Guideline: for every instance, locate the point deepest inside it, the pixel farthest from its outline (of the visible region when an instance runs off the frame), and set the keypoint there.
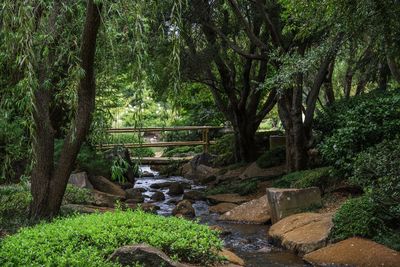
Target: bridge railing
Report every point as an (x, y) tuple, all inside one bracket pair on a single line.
[(205, 141)]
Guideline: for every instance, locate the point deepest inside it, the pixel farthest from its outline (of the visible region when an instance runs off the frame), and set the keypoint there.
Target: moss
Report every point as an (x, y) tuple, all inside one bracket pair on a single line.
[(321, 177), (245, 187)]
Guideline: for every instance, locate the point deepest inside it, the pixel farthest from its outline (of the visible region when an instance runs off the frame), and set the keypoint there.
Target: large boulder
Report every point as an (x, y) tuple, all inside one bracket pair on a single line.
[(102, 184), (228, 198), (158, 196), (80, 180), (254, 211), (288, 201), (176, 189), (105, 200), (199, 173), (231, 257), (134, 195), (184, 208), (193, 195), (143, 254), (303, 232), (222, 207), (254, 171), (354, 252)]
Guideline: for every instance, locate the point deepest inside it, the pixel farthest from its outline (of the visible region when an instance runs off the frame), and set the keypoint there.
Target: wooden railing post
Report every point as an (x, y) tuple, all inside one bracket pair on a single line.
[(205, 140)]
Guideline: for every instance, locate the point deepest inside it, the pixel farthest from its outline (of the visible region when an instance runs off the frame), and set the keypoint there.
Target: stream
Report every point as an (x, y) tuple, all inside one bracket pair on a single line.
[(249, 241)]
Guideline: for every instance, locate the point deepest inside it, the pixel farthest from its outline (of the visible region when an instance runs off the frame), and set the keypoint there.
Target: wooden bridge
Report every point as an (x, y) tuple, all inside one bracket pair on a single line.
[(205, 141)]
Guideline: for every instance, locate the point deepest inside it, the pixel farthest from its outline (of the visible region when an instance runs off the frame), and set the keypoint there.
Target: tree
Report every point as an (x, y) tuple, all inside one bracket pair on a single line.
[(223, 51)]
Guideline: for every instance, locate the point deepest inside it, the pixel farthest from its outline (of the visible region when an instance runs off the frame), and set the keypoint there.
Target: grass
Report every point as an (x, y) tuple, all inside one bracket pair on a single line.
[(88, 240)]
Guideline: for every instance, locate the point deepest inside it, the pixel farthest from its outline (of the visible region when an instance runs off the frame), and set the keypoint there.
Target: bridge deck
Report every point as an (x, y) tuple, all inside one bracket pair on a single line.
[(162, 160)]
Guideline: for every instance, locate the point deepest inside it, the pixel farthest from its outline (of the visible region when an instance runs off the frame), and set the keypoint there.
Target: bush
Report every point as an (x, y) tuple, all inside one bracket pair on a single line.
[(271, 158), (320, 177), (377, 171), (351, 126), (15, 200), (224, 150), (88, 240), (14, 206), (361, 217), (356, 217)]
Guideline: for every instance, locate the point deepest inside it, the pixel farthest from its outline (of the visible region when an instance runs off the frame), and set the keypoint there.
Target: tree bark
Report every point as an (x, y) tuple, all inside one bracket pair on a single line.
[(49, 180)]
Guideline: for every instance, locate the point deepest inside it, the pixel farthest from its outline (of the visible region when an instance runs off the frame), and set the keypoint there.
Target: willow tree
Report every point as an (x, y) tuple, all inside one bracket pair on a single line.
[(43, 46)]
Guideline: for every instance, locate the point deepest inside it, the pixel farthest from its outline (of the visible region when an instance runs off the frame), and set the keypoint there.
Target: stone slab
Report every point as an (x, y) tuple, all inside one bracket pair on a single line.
[(288, 201)]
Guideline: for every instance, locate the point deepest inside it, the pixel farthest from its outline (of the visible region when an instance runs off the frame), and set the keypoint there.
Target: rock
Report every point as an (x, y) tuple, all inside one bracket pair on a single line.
[(254, 171), (172, 201), (230, 198), (285, 202), (80, 180), (354, 252), (207, 179), (143, 254), (126, 185), (231, 257), (160, 185), (102, 184), (303, 232), (254, 211), (134, 195), (184, 208), (158, 196), (147, 174), (202, 159), (105, 200), (193, 195), (84, 209), (220, 229), (222, 207), (175, 189), (200, 172)]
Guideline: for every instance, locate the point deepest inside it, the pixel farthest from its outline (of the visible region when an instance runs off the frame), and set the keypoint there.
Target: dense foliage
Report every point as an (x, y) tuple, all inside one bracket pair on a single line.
[(88, 240), (351, 126), (272, 158), (15, 201), (321, 177), (362, 217)]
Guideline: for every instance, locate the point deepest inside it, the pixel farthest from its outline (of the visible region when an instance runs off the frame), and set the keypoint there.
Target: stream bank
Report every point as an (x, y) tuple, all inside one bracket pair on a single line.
[(248, 241)]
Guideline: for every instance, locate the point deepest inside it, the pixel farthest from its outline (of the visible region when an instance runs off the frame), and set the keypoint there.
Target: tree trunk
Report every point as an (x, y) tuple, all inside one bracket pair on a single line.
[(329, 93), (245, 145), (289, 107), (49, 181)]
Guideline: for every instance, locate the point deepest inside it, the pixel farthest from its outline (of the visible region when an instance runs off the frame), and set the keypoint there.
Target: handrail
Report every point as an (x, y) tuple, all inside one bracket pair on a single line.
[(205, 142), (160, 129)]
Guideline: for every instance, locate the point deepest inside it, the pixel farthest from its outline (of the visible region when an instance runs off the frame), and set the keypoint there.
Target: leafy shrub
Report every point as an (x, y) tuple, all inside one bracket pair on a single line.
[(361, 217), (15, 200), (356, 217), (88, 240), (76, 195), (377, 171), (14, 145), (224, 150), (351, 126), (320, 177), (272, 158), (14, 206)]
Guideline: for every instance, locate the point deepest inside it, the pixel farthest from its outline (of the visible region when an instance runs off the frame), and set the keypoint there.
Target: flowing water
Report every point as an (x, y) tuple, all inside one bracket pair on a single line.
[(249, 241)]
